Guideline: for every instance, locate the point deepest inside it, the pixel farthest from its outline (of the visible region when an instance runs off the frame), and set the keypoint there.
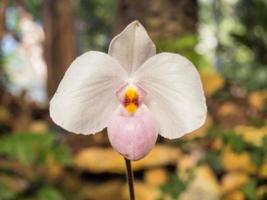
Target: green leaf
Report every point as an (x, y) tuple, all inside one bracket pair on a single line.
[(235, 141), (213, 158), (184, 45), (250, 190), (174, 187), (257, 156), (25, 147), (62, 155), (30, 148), (6, 193), (49, 193)]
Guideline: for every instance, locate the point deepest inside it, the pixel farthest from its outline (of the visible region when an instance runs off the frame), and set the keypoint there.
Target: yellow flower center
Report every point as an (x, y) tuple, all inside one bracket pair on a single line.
[(131, 101)]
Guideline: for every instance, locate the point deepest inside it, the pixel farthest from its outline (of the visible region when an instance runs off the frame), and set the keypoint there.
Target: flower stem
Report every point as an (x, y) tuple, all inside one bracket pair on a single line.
[(130, 178)]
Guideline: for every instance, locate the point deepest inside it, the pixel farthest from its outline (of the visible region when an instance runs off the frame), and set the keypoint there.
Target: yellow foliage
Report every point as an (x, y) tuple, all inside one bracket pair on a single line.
[(203, 186), (156, 177), (263, 169), (233, 181), (217, 144), (38, 126), (241, 162), (142, 192), (229, 108), (261, 192), (53, 169), (185, 163), (236, 195), (5, 115), (212, 82), (252, 134), (99, 160), (258, 99)]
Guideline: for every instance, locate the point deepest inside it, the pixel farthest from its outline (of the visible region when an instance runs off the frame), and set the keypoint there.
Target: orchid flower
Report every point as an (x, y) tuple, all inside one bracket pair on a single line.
[(134, 92)]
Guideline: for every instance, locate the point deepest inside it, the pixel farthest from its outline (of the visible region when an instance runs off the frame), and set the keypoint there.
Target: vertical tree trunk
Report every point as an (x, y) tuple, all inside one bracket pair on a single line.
[(60, 48), (3, 7), (164, 19)]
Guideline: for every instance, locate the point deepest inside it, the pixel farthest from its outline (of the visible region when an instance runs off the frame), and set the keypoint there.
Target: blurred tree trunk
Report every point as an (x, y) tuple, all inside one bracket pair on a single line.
[(3, 7), (164, 19), (60, 47)]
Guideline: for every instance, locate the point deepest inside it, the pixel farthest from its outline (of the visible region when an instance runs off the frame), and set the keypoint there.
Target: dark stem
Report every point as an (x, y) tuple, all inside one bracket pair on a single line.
[(130, 178)]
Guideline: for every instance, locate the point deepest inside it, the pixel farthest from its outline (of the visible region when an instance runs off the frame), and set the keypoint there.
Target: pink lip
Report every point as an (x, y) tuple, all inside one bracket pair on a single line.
[(133, 136)]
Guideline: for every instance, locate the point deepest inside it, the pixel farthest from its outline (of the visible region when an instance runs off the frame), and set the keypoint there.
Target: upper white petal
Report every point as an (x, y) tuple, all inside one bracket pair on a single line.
[(174, 93), (132, 47), (85, 99)]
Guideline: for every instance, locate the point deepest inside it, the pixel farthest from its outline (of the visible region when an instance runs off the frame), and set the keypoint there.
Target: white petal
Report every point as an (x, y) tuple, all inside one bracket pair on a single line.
[(132, 47), (174, 93), (85, 98)]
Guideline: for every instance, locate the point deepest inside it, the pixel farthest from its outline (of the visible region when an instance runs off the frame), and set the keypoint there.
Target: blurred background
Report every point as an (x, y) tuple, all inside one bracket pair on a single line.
[(225, 159)]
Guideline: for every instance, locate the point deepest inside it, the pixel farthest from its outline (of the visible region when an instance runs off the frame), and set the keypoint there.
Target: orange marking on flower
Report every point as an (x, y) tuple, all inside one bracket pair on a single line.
[(131, 101)]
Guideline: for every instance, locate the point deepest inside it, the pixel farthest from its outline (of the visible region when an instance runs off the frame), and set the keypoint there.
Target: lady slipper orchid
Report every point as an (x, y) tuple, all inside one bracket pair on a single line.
[(134, 92)]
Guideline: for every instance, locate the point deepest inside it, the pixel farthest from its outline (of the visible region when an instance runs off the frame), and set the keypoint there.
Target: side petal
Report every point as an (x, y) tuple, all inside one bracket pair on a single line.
[(86, 97), (132, 47), (174, 93)]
